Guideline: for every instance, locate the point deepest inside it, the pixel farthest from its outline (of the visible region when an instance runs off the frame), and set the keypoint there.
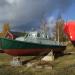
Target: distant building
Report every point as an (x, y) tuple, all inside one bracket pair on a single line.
[(7, 33)]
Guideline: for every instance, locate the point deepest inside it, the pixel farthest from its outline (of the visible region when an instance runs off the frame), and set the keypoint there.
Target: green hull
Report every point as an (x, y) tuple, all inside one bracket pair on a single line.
[(14, 44), (14, 47)]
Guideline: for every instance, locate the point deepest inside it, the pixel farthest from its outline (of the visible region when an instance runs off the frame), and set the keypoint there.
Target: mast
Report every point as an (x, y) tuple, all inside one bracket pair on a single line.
[(44, 28)]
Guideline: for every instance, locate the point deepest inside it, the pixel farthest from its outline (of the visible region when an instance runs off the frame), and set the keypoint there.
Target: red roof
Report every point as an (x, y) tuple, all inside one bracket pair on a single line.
[(9, 35)]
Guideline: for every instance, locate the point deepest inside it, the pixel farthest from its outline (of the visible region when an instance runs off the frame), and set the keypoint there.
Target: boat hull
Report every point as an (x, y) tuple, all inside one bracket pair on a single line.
[(25, 52), (1, 51), (32, 52), (19, 48)]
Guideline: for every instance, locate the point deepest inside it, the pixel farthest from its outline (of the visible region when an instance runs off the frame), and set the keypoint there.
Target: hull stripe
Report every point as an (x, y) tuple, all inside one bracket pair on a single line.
[(25, 52), (21, 52)]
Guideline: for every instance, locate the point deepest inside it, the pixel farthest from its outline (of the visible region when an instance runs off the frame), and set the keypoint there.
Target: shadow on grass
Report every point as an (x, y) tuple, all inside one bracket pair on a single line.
[(61, 55)]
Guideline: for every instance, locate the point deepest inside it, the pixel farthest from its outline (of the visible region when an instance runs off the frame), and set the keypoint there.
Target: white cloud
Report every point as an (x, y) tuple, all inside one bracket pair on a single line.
[(10, 1), (21, 12)]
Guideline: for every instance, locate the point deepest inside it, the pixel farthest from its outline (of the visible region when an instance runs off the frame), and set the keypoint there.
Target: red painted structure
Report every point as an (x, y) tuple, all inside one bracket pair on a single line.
[(9, 35), (69, 29)]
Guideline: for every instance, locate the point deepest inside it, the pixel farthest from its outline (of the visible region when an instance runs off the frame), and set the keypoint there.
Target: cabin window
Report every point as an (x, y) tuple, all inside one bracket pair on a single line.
[(38, 35)]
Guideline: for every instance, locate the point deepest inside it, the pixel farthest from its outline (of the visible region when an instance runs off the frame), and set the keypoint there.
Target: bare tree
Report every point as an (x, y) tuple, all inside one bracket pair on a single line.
[(58, 30)]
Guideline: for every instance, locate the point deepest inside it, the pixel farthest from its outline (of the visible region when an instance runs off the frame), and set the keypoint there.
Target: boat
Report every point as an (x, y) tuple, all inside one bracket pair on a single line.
[(33, 43), (69, 30)]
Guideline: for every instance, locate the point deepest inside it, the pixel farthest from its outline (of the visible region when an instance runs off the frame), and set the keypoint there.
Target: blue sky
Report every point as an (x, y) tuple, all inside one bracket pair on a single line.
[(70, 13)]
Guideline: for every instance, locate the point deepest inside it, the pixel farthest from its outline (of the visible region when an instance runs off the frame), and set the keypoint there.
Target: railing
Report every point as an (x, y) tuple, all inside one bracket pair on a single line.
[(45, 41)]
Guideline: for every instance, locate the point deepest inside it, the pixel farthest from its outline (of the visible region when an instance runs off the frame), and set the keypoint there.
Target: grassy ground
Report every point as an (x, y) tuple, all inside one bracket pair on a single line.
[(64, 65)]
